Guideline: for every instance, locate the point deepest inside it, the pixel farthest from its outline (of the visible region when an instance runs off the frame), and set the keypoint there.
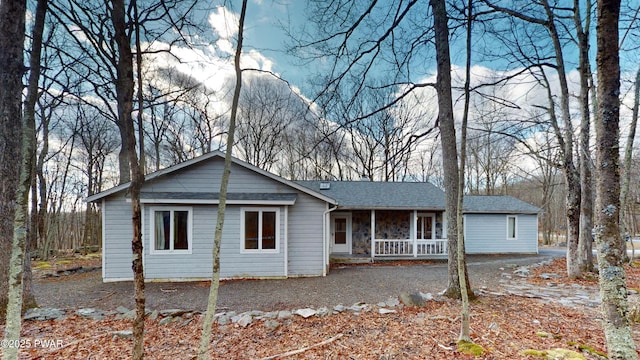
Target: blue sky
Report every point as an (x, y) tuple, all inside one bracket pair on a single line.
[(266, 40), (264, 32)]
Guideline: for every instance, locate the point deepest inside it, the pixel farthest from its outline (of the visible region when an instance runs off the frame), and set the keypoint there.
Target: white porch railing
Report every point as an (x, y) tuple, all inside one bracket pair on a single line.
[(408, 247), (432, 247)]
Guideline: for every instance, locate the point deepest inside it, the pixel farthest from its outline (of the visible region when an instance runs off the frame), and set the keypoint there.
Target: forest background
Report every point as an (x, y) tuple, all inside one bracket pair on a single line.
[(367, 111), (514, 147)]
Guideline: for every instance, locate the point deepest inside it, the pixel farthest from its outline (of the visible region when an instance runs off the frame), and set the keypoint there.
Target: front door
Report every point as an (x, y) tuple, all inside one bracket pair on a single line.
[(425, 227), (341, 233)]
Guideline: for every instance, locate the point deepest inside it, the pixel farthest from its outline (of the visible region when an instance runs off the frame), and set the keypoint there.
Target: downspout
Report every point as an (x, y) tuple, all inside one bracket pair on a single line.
[(103, 251), (325, 239), (286, 241), (537, 219)]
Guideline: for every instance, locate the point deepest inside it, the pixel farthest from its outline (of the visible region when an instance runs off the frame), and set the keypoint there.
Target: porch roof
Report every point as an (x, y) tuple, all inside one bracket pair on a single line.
[(352, 195), (376, 195)]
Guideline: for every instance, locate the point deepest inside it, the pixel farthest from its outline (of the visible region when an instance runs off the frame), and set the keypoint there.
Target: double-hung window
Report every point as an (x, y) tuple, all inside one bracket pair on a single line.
[(171, 230), (512, 227), (260, 230)]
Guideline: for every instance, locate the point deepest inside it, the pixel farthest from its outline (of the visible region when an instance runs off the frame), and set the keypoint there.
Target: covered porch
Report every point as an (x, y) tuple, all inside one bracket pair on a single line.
[(362, 234)]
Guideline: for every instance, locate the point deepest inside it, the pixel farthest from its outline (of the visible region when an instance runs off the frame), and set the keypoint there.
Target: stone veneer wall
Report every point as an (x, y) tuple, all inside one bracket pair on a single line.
[(389, 225), (361, 232), (393, 224)]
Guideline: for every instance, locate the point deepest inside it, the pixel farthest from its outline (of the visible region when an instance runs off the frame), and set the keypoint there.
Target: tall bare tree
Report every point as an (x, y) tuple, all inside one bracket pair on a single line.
[(446, 124), (613, 289), (363, 39), (12, 30), (27, 175), (585, 241), (124, 85), (543, 15), (51, 105), (379, 143), (546, 178), (13, 171), (465, 331), (491, 149), (97, 139), (267, 110), (87, 23), (205, 339)]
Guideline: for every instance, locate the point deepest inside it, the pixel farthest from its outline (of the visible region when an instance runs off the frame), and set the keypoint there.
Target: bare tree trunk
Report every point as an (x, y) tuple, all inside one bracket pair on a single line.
[(465, 333), (448, 140), (42, 212), (585, 248), (564, 136), (29, 144), (205, 339), (16, 266), (12, 29), (613, 289), (142, 161), (31, 242), (572, 175), (124, 93), (11, 62)]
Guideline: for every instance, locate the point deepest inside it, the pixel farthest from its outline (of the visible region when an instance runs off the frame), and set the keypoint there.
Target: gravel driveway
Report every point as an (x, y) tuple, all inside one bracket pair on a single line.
[(344, 285)]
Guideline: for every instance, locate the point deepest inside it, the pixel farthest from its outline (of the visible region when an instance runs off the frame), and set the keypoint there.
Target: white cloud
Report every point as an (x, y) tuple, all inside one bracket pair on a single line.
[(211, 64), (225, 24)]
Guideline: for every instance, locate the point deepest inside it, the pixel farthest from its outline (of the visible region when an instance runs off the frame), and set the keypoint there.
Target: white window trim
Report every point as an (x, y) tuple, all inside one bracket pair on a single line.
[(515, 227), (260, 210), (152, 233)]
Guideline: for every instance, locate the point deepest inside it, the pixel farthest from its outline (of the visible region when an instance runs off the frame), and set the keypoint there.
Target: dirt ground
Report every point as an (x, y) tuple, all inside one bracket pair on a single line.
[(344, 285), (506, 326)]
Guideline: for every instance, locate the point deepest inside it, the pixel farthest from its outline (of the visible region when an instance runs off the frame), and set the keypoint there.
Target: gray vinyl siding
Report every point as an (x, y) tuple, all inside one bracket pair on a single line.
[(234, 264), (305, 237), (487, 233), (117, 242), (304, 231), (198, 264), (205, 177), (302, 255)]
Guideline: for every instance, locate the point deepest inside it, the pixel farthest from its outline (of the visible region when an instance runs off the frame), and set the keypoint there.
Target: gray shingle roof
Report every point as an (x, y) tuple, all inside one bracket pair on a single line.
[(500, 204), (412, 196), (381, 195)]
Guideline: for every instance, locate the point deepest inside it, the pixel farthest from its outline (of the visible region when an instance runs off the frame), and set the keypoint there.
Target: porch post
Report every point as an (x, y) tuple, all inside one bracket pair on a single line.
[(444, 225), (445, 235), (414, 235), (373, 233)]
